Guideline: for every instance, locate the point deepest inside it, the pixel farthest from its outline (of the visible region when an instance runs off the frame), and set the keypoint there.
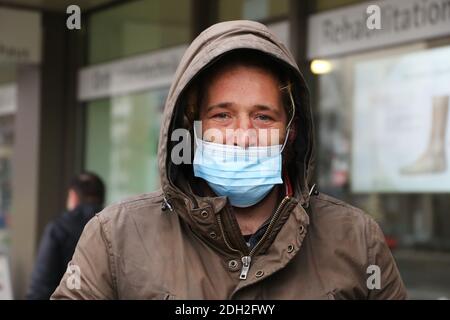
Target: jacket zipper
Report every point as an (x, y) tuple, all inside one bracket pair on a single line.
[(247, 259), (219, 221)]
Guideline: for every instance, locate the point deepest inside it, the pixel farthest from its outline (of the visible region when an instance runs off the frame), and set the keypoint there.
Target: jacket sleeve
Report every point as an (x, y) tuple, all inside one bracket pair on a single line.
[(48, 268), (90, 274), (382, 265)]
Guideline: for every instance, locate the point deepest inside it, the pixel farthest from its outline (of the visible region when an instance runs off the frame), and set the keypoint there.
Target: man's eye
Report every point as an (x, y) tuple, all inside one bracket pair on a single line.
[(264, 117), (221, 115)]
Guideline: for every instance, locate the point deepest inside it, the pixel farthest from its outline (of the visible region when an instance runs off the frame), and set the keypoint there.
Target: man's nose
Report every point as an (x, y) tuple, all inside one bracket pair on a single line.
[(245, 133)]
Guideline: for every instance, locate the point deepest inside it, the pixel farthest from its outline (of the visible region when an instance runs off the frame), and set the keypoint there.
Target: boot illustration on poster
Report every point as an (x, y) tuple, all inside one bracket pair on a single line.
[(433, 159)]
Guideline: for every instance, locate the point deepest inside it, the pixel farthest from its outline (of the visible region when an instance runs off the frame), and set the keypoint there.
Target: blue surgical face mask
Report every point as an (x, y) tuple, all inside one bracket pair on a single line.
[(244, 175)]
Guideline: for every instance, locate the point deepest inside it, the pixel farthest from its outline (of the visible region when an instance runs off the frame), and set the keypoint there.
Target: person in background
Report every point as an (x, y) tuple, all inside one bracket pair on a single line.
[(85, 198)]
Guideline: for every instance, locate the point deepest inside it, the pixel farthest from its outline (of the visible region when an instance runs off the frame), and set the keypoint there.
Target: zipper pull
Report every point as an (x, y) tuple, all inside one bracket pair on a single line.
[(245, 267)]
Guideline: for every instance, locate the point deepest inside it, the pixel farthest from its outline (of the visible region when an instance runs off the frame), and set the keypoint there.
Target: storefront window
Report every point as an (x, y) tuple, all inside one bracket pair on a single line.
[(123, 130), (322, 5), (138, 27), (252, 9), (122, 142), (383, 139)]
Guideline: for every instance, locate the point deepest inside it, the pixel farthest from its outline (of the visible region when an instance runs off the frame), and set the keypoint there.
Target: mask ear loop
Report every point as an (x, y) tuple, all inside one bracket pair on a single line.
[(288, 127), (197, 141)]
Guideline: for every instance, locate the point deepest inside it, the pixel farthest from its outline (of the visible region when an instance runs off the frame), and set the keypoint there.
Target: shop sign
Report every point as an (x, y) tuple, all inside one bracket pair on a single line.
[(349, 29)]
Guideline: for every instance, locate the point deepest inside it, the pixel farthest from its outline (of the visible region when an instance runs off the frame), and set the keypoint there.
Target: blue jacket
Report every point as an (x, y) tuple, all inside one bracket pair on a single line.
[(56, 249)]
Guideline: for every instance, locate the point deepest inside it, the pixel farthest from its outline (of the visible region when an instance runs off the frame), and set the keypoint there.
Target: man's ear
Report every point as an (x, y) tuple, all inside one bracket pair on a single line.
[(73, 200)]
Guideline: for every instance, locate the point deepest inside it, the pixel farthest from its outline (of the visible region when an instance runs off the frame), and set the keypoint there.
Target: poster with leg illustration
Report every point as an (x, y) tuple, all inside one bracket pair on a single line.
[(401, 114), (433, 159)]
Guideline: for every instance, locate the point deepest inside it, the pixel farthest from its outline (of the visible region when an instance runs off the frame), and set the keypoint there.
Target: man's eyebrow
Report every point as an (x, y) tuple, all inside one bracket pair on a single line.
[(267, 107), (223, 105), (226, 105)]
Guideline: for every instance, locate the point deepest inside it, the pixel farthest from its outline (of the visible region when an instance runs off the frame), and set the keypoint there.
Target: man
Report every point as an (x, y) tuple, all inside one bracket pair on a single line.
[(230, 227), (85, 198)]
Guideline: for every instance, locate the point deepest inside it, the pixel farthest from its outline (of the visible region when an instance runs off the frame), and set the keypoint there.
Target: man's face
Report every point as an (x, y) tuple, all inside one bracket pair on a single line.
[(244, 104)]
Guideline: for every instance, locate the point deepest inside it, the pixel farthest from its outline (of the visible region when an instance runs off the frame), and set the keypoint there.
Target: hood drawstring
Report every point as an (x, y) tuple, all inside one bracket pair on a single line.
[(313, 190), (166, 205)]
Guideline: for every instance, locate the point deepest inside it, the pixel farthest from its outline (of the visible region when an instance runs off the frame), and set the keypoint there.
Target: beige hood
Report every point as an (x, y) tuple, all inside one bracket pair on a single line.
[(215, 41)]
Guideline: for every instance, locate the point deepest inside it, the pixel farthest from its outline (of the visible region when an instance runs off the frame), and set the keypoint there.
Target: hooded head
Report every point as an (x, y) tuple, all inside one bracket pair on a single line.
[(219, 42)]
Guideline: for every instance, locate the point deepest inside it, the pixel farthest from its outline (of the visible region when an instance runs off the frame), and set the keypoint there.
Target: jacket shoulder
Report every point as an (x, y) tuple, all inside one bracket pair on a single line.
[(149, 202), (58, 229), (135, 218), (356, 242), (326, 206), (341, 223)]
